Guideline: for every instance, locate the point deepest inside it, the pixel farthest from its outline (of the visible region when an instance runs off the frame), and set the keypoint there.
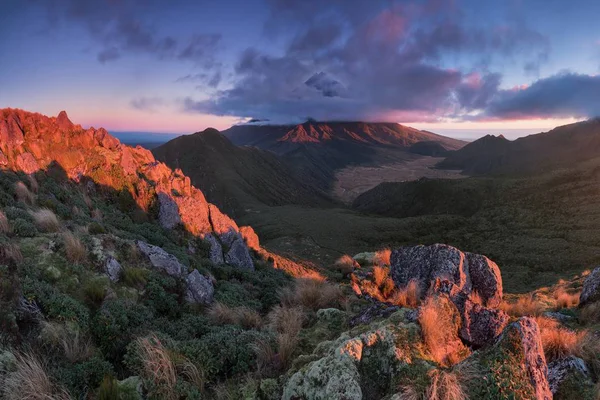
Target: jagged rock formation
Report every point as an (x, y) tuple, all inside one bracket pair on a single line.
[(591, 288), (472, 281), (30, 142)]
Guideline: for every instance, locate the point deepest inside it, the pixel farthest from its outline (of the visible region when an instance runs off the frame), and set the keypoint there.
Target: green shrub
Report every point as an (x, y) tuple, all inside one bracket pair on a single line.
[(134, 276), (163, 294), (55, 304), (79, 378), (188, 326), (111, 389), (95, 290), (24, 228), (96, 229)]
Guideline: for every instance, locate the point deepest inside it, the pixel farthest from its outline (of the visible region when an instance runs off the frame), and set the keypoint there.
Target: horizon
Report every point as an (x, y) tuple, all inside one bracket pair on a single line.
[(443, 66)]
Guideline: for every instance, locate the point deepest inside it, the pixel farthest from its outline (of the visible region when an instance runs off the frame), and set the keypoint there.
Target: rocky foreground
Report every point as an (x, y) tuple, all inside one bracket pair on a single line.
[(118, 280)]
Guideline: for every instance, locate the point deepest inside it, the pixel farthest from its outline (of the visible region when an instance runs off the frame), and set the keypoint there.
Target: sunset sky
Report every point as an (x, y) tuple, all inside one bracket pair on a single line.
[(449, 66)]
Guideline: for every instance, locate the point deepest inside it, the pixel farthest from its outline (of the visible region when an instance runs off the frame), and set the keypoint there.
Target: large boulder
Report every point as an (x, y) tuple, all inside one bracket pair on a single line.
[(216, 250), (238, 255), (472, 281), (200, 289), (569, 378), (160, 259), (591, 288), (168, 212)]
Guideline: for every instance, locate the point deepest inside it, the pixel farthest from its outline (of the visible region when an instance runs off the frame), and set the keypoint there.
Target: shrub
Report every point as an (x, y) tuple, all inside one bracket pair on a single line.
[(31, 381), (55, 304), (10, 253), (163, 294), (110, 389), (74, 249), (23, 194), (45, 220), (24, 228), (312, 294), (345, 264), (73, 345), (4, 225), (95, 291), (134, 276), (96, 229)]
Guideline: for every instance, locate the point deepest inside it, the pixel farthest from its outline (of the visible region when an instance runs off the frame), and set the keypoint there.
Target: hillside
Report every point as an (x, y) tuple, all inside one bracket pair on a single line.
[(236, 178), (561, 147)]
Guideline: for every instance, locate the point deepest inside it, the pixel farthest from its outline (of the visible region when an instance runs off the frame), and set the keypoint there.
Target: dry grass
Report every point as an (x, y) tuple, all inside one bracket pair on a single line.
[(23, 194), (558, 341), (74, 249), (446, 385), (438, 329), (10, 253), (271, 361), (524, 306), (409, 296), (565, 299), (345, 264), (243, 316), (74, 346), (382, 257), (286, 319), (33, 183), (46, 220), (97, 215), (380, 275), (31, 382), (590, 314), (312, 294), (588, 349), (4, 224), (158, 367)]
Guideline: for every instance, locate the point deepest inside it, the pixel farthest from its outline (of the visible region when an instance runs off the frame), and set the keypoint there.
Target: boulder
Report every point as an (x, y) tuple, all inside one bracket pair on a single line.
[(238, 255), (569, 378), (160, 259), (591, 288), (168, 212), (372, 312), (365, 259), (216, 250), (472, 281), (112, 268), (200, 289)]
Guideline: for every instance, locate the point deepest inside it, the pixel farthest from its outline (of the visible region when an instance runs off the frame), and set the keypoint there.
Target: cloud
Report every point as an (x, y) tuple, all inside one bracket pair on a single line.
[(389, 55), (150, 104), (563, 95)]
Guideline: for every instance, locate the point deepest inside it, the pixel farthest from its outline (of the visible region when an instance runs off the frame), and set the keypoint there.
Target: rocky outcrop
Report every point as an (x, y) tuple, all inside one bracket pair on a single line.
[(238, 255), (160, 259), (168, 213), (472, 281), (113, 269), (250, 237), (591, 288), (200, 289), (570, 378), (216, 250)]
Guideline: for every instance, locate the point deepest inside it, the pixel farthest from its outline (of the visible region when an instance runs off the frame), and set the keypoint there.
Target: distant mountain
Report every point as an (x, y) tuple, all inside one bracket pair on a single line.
[(236, 178), (561, 147), (285, 138)]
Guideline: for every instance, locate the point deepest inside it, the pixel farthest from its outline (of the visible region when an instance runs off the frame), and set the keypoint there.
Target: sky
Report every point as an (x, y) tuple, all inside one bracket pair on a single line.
[(458, 67)]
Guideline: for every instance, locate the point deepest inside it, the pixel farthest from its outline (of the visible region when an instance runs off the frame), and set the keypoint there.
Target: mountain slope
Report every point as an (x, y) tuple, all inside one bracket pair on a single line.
[(561, 147), (236, 178)]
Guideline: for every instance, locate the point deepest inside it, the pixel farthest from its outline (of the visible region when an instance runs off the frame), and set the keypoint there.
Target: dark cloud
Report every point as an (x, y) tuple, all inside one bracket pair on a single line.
[(387, 54), (147, 103), (563, 95)]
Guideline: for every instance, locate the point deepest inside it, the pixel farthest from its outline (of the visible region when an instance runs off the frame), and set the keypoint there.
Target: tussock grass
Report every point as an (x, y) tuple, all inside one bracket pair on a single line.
[(446, 385), (10, 253), (380, 275), (524, 306), (565, 299), (23, 194), (158, 367), (382, 257), (438, 326), (134, 276), (222, 314), (74, 249), (558, 341), (97, 215), (590, 314), (33, 183), (74, 346), (4, 224), (46, 220), (288, 320), (30, 381), (345, 264), (271, 360), (312, 294), (408, 296)]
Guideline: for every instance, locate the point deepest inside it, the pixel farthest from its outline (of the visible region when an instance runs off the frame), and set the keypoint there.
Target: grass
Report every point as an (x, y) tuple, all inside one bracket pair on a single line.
[(30, 381), (222, 314), (565, 299), (134, 276), (284, 319), (4, 224), (590, 314), (272, 361), (46, 220), (158, 367), (23, 194), (312, 294), (74, 345), (524, 306), (408, 296), (10, 253), (382, 257), (446, 385), (558, 341), (74, 249), (345, 264)]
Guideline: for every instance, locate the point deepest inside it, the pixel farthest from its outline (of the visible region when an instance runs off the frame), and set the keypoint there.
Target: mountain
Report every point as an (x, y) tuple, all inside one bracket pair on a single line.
[(237, 178), (286, 138), (561, 147)]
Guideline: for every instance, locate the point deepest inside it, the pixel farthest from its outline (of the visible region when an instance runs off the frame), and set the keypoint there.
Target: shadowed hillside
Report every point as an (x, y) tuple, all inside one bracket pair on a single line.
[(237, 178)]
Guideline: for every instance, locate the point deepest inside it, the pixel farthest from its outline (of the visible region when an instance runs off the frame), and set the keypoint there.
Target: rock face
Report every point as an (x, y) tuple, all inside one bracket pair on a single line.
[(569, 376), (591, 288), (112, 268), (160, 259), (168, 213), (238, 255), (200, 289), (472, 281), (216, 250)]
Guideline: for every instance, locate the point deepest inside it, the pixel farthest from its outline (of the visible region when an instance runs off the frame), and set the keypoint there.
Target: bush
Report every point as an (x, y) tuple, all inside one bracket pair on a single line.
[(10, 253), (54, 304), (134, 276), (163, 294), (96, 229), (345, 264), (45, 220), (24, 228), (80, 377)]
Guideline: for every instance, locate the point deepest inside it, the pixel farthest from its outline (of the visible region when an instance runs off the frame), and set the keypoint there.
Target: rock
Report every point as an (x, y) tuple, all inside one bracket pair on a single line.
[(161, 259), (112, 268), (64, 122), (558, 316), (238, 255), (168, 213), (3, 159), (365, 259), (216, 250), (591, 288), (569, 378), (27, 163), (200, 289), (376, 310), (250, 237), (481, 324), (466, 278)]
